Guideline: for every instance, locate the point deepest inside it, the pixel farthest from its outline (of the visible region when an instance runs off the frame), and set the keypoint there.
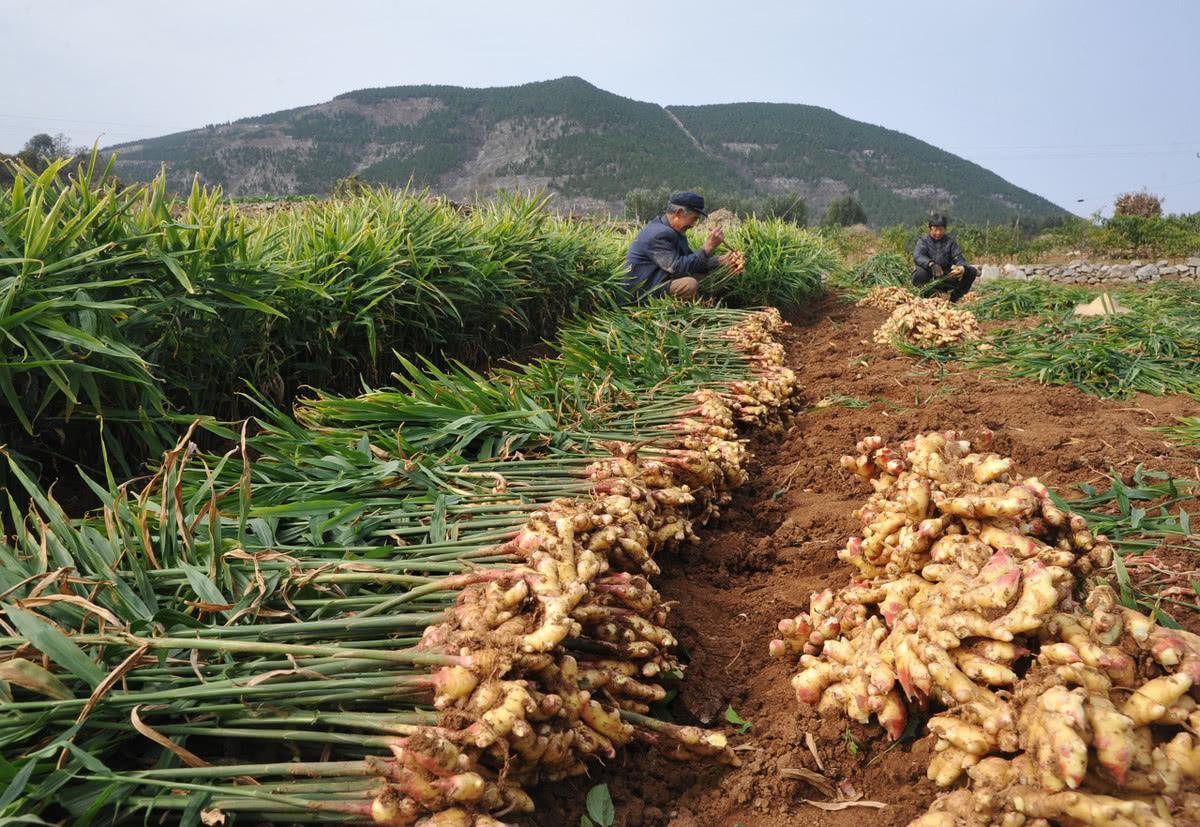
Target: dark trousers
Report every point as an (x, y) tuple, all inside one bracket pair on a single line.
[(957, 287)]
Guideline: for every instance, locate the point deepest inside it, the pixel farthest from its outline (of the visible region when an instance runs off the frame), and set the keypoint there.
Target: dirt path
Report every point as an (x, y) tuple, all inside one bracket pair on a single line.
[(776, 544), (685, 131)]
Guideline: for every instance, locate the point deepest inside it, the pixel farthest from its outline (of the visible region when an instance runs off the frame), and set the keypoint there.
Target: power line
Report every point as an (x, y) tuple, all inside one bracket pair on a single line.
[(24, 130), (1174, 185), (84, 121)]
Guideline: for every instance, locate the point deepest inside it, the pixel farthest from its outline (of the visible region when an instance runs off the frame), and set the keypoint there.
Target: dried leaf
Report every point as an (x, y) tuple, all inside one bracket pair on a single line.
[(44, 581), (110, 680), (820, 782), (187, 757), (29, 675), (275, 673), (357, 567), (263, 556), (74, 600), (812, 747), (834, 806), (209, 607)]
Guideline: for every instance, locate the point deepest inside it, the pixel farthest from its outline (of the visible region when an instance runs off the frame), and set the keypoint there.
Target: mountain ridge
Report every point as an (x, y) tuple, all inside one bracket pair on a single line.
[(585, 145)]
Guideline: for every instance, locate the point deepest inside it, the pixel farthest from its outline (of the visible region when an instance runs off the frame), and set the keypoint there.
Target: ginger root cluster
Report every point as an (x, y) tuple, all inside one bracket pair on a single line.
[(563, 652), (974, 606), (886, 298), (925, 322)]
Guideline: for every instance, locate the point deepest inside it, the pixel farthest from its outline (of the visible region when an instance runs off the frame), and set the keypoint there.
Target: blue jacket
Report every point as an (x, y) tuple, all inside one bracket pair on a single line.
[(659, 254)]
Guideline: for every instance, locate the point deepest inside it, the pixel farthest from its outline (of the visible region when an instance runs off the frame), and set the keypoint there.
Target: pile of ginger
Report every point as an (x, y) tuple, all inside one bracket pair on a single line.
[(925, 322), (886, 298), (977, 606), (931, 322)]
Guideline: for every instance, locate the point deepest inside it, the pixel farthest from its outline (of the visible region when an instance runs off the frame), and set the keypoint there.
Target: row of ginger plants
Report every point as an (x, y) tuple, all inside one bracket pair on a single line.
[(129, 309), (350, 623)]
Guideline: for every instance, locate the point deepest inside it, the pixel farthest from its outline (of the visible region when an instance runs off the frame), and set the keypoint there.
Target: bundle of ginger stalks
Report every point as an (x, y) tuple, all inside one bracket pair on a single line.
[(238, 642), (977, 601), (540, 710)]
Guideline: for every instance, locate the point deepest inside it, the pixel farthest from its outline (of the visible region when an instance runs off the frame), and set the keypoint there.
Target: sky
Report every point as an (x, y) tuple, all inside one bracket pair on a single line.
[(1076, 101)]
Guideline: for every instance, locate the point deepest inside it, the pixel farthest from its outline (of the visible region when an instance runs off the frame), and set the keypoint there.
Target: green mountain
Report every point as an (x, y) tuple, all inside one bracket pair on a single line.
[(587, 146)]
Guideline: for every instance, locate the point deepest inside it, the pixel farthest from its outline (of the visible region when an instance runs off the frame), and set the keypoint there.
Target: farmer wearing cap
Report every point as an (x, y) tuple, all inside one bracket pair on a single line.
[(660, 259), (940, 263)]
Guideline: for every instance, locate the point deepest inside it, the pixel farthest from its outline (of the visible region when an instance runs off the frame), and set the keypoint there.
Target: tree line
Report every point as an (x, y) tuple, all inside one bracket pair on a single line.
[(39, 152)]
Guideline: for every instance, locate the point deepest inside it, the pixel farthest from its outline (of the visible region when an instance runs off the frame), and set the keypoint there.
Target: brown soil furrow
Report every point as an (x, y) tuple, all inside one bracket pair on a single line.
[(776, 544)]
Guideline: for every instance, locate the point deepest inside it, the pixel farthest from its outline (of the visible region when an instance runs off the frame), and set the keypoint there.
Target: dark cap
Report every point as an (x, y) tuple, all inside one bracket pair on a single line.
[(688, 200), (936, 219)]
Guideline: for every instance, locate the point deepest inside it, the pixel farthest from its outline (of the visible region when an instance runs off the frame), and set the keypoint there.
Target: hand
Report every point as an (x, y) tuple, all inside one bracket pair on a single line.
[(715, 239), (957, 270), (936, 269), (734, 260)]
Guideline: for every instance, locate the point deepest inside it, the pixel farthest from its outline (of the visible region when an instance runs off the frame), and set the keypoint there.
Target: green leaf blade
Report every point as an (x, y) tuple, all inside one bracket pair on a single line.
[(55, 645)]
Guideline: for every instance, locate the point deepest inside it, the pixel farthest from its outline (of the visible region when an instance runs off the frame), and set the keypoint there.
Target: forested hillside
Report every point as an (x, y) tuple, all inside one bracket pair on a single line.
[(587, 146), (817, 152)]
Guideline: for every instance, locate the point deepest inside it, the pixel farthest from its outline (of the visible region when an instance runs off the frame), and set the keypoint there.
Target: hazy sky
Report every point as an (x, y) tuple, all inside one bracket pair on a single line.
[(1071, 99)]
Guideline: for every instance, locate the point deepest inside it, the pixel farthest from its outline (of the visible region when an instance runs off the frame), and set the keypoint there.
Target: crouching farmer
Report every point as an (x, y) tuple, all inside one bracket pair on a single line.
[(940, 263), (660, 260)]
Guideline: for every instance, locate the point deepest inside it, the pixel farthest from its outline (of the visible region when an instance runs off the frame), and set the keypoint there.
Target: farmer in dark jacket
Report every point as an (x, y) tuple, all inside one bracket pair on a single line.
[(660, 259), (940, 262)]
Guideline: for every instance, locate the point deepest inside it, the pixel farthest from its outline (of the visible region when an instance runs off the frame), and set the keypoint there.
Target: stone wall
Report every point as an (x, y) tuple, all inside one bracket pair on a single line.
[(1097, 272)]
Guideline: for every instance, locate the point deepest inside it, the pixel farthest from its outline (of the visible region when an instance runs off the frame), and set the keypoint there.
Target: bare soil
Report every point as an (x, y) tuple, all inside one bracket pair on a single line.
[(777, 543)]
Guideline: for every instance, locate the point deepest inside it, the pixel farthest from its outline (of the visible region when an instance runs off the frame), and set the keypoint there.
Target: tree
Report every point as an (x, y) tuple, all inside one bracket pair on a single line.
[(641, 205), (789, 208), (740, 205), (842, 212), (7, 170), (39, 152), (1138, 203), (351, 187), (43, 149)]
